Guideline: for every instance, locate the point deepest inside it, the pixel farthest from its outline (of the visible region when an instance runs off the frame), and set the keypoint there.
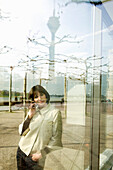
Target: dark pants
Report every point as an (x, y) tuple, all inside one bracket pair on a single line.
[(25, 162)]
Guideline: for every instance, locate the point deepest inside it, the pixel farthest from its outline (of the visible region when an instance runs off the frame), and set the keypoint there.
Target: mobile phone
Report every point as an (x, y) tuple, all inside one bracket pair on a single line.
[(33, 106)]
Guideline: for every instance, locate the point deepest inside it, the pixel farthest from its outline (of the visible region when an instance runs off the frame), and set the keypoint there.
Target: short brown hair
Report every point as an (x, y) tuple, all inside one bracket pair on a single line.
[(40, 89)]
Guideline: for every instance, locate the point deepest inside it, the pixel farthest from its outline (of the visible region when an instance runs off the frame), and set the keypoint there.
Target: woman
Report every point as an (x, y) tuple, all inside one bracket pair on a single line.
[(41, 131)]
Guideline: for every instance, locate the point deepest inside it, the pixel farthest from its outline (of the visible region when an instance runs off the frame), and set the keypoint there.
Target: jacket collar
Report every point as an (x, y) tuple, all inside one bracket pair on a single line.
[(44, 110)]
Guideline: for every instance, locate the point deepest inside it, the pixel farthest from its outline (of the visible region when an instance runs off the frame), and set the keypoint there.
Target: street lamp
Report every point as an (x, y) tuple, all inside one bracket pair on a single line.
[(24, 97), (10, 89), (65, 90)]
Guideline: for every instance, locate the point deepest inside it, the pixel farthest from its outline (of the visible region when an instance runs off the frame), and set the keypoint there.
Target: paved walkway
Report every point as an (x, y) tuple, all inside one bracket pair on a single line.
[(75, 138), (71, 156)]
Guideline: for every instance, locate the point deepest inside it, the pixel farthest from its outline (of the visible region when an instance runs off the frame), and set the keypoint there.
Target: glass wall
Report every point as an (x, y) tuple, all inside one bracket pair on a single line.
[(66, 47), (106, 120)]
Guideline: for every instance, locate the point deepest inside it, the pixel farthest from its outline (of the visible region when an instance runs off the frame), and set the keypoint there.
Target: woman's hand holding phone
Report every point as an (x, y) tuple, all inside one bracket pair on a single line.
[(32, 110)]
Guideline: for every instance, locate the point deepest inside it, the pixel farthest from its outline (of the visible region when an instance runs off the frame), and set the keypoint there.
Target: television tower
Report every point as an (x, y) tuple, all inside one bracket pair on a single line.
[(53, 25)]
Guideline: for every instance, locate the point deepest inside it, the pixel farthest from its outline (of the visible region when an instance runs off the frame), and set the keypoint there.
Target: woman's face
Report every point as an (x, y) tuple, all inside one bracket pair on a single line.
[(40, 99)]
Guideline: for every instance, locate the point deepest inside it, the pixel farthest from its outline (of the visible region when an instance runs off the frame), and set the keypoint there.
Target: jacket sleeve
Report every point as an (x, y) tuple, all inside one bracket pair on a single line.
[(56, 139)]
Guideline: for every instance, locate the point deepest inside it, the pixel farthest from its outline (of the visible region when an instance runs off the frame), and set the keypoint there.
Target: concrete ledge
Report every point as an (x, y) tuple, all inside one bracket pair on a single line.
[(106, 160)]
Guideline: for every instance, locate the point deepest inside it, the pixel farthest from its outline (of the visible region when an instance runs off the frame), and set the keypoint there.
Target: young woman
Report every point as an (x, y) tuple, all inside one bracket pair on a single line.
[(41, 131)]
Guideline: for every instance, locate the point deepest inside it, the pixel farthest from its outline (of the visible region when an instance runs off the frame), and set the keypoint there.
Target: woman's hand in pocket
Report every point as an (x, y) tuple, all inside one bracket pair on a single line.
[(36, 156)]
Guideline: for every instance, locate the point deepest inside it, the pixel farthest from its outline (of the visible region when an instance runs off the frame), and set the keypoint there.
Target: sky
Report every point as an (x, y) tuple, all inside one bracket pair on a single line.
[(23, 17), (29, 17)]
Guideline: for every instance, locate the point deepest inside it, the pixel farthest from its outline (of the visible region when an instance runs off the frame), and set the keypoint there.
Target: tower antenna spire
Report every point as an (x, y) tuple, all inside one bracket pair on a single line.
[(54, 8)]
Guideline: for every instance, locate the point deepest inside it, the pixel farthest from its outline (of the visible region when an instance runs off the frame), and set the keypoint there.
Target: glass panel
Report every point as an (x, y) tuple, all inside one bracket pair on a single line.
[(50, 43), (106, 128)]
